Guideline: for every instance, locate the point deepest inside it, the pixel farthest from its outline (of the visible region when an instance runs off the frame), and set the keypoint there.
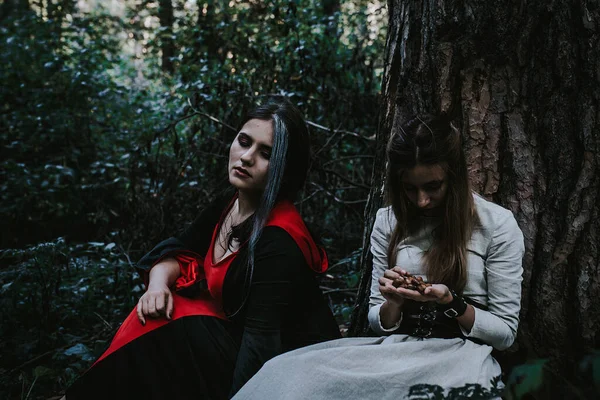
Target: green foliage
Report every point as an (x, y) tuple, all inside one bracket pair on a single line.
[(104, 148), (526, 378), (53, 104), (538, 379), (100, 143), (60, 304), (90, 138)]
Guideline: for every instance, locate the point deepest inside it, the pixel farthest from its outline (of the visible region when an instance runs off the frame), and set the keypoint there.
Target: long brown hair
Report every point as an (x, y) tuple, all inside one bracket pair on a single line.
[(428, 140)]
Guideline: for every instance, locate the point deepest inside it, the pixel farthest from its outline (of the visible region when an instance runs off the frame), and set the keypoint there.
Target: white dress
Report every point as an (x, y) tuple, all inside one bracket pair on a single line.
[(386, 367)]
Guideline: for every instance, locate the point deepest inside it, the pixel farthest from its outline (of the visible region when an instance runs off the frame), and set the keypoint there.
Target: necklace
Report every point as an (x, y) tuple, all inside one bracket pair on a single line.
[(232, 219)]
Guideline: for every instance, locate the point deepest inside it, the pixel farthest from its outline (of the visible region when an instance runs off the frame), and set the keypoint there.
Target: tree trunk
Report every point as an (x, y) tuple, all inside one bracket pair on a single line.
[(521, 80), (13, 7), (167, 45)]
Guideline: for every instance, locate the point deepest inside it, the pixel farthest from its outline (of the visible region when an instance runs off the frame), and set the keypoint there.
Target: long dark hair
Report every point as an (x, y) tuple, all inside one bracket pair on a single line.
[(288, 168), (432, 140)]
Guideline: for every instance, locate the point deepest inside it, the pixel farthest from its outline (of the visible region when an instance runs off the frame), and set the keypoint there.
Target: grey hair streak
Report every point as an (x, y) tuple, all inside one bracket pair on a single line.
[(277, 164)]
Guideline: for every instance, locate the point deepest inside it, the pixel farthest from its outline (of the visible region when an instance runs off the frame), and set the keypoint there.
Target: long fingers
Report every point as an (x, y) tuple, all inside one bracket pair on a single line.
[(399, 270), (159, 304), (391, 274), (415, 295), (385, 281), (169, 305), (155, 305), (140, 313), (150, 307)]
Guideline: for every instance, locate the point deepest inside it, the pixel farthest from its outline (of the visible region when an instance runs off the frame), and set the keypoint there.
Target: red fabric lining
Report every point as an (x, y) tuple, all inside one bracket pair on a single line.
[(189, 268)]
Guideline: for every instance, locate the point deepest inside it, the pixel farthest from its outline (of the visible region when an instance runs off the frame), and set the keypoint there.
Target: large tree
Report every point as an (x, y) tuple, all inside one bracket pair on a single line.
[(521, 79)]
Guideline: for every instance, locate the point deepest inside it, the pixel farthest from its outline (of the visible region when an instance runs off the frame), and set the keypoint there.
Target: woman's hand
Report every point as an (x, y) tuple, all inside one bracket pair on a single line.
[(158, 299), (156, 302), (387, 288), (436, 292)]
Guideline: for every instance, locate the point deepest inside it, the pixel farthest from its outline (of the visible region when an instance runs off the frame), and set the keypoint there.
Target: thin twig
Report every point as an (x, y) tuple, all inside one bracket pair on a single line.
[(310, 196), (127, 256), (351, 292), (328, 142), (337, 199), (31, 388), (188, 116), (345, 260), (26, 363), (343, 132), (103, 320), (198, 112), (352, 157), (342, 177)]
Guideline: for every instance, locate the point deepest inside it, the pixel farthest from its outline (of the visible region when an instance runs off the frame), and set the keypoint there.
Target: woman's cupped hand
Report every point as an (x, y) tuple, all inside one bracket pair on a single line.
[(396, 294)]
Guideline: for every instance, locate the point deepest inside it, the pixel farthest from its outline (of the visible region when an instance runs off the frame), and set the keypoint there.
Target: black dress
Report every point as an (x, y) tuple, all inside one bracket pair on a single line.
[(211, 357)]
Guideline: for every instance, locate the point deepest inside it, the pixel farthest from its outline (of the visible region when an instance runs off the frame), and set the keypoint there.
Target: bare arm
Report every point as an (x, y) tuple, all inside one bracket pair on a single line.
[(165, 273), (158, 299)]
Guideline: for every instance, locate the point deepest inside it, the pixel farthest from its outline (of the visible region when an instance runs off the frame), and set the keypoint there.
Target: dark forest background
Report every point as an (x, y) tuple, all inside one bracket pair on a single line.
[(115, 122)]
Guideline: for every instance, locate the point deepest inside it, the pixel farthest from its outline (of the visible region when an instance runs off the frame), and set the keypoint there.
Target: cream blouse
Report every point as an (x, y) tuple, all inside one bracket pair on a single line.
[(494, 267)]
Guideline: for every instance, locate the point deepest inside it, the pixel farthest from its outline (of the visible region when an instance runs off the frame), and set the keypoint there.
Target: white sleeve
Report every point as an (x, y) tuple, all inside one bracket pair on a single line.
[(380, 238), (503, 265)]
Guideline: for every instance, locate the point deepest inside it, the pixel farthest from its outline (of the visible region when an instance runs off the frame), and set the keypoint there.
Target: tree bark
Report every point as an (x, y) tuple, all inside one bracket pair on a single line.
[(521, 80), (167, 44)]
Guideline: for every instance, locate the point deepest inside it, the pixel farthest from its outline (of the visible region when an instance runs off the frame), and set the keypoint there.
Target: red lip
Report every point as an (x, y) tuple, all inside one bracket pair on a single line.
[(242, 171)]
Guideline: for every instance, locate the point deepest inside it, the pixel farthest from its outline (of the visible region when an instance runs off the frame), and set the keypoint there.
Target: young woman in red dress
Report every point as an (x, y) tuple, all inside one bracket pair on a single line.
[(237, 288)]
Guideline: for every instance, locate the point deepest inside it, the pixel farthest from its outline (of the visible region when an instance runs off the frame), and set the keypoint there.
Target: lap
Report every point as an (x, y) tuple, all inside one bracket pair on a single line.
[(191, 357), (377, 368)]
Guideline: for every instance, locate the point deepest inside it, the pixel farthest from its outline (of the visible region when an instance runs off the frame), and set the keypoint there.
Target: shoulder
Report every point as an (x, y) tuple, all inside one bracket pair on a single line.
[(492, 215), (385, 220), (277, 256), (497, 223), (275, 234), (275, 240)]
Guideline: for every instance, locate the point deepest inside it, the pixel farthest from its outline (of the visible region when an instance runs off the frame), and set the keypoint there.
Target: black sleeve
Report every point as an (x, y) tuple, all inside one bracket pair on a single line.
[(278, 263)]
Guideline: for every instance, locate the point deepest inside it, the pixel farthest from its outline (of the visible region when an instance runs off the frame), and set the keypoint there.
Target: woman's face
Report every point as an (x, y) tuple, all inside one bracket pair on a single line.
[(249, 156), (425, 186)]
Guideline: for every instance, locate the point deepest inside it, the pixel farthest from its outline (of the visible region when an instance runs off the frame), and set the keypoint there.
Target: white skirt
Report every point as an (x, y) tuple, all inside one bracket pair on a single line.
[(373, 368)]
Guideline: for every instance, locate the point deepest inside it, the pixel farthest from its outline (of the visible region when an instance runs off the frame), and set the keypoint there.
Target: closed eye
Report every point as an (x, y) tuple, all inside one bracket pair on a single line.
[(433, 186), (244, 140)]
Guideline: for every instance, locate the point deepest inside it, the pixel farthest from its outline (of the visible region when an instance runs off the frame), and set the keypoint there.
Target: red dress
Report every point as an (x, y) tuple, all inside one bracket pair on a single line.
[(131, 338)]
